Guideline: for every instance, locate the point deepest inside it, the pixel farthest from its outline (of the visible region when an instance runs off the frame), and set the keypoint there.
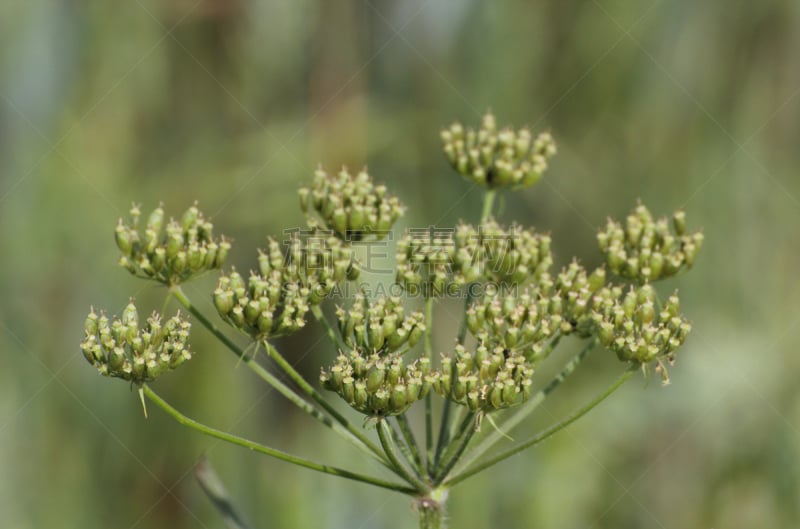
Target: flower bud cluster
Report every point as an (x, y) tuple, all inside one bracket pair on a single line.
[(498, 158), (119, 348), (351, 205), (576, 292), (434, 262), (633, 328), (485, 380), (522, 324), (170, 252), (425, 263), (274, 301), (379, 386), (645, 249), (381, 327)]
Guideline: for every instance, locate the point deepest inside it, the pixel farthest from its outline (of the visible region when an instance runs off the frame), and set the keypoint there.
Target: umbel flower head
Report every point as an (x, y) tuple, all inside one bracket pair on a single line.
[(379, 386), (522, 323), (434, 261), (274, 301), (646, 249), (351, 205), (373, 377), (120, 348), (632, 327), (170, 253), (497, 158), (485, 380), (574, 293), (380, 327)]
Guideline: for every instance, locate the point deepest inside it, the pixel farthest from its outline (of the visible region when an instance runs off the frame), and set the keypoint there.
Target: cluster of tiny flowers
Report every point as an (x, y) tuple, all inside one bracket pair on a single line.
[(435, 261), (575, 291), (351, 205), (170, 253), (274, 301), (484, 380), (379, 386), (631, 327), (121, 349), (380, 327), (646, 249), (373, 378), (498, 158), (522, 324)]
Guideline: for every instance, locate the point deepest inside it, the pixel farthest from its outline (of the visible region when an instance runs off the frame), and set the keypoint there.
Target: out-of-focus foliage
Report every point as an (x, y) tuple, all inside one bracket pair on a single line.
[(231, 103)]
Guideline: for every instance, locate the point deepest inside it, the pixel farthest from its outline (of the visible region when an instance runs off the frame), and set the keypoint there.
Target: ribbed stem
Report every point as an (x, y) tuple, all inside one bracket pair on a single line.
[(411, 441), (577, 414), (303, 384), (330, 331), (454, 455), (431, 509), (385, 435), (256, 447), (269, 378)]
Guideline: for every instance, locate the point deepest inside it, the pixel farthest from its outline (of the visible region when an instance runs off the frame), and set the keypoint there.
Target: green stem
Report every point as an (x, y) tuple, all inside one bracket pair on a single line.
[(256, 447), (301, 382), (408, 433), (529, 407), (269, 378), (488, 202), (405, 449), (468, 429), (577, 414), (330, 331), (431, 509), (428, 397), (384, 433), (165, 305)]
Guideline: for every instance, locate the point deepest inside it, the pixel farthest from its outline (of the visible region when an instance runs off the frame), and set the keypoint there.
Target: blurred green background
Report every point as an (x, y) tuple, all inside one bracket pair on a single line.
[(233, 103)]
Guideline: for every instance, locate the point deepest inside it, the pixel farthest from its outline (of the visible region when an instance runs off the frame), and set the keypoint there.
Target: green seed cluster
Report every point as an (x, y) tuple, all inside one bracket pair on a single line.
[(379, 386), (351, 205), (485, 380), (646, 249), (522, 324), (170, 253), (498, 158), (274, 301), (381, 327), (436, 262), (425, 263), (509, 255), (575, 292), (119, 348), (633, 328)]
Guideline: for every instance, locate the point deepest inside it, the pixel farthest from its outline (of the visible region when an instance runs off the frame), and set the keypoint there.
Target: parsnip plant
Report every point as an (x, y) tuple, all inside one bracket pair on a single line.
[(381, 363)]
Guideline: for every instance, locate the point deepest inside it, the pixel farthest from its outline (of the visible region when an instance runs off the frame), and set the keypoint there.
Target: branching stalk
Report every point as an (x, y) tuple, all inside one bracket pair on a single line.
[(256, 447), (273, 381), (524, 411), (384, 433), (577, 414), (468, 429), (330, 331), (401, 443), (408, 434), (309, 390)]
